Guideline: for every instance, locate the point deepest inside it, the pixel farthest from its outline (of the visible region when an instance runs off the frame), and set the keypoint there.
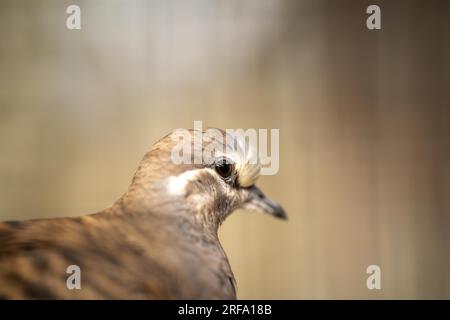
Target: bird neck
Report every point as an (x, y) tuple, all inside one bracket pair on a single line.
[(144, 206)]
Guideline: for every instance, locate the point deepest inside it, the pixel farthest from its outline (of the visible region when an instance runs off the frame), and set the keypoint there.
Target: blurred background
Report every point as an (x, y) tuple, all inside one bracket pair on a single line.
[(363, 115)]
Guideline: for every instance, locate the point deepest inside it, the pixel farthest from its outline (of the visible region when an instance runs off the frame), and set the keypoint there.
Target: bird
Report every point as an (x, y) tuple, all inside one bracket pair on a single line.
[(159, 240)]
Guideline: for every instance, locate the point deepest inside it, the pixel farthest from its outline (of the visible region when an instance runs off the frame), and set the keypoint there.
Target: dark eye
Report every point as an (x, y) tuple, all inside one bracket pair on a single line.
[(224, 167)]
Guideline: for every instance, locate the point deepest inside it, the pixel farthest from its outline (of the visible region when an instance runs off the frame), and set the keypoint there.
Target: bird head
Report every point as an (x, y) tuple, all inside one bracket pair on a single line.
[(207, 174)]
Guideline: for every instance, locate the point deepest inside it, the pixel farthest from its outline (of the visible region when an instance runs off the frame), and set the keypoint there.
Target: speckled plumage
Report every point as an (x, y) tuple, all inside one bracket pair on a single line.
[(151, 244)]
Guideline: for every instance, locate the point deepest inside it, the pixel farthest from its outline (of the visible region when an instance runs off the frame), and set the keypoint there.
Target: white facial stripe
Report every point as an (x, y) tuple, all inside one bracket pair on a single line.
[(177, 184)]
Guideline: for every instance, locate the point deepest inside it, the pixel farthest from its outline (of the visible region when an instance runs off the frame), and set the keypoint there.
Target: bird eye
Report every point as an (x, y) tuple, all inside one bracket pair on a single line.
[(224, 167)]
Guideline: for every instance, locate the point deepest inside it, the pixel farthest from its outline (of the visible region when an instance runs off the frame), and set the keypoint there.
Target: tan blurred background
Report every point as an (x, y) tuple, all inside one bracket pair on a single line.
[(363, 116)]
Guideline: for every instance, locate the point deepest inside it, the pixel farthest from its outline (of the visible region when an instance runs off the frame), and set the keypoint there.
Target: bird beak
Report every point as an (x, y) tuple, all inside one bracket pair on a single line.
[(259, 202)]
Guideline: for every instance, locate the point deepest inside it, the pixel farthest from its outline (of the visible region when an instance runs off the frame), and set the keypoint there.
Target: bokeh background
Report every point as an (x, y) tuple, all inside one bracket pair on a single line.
[(363, 116)]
